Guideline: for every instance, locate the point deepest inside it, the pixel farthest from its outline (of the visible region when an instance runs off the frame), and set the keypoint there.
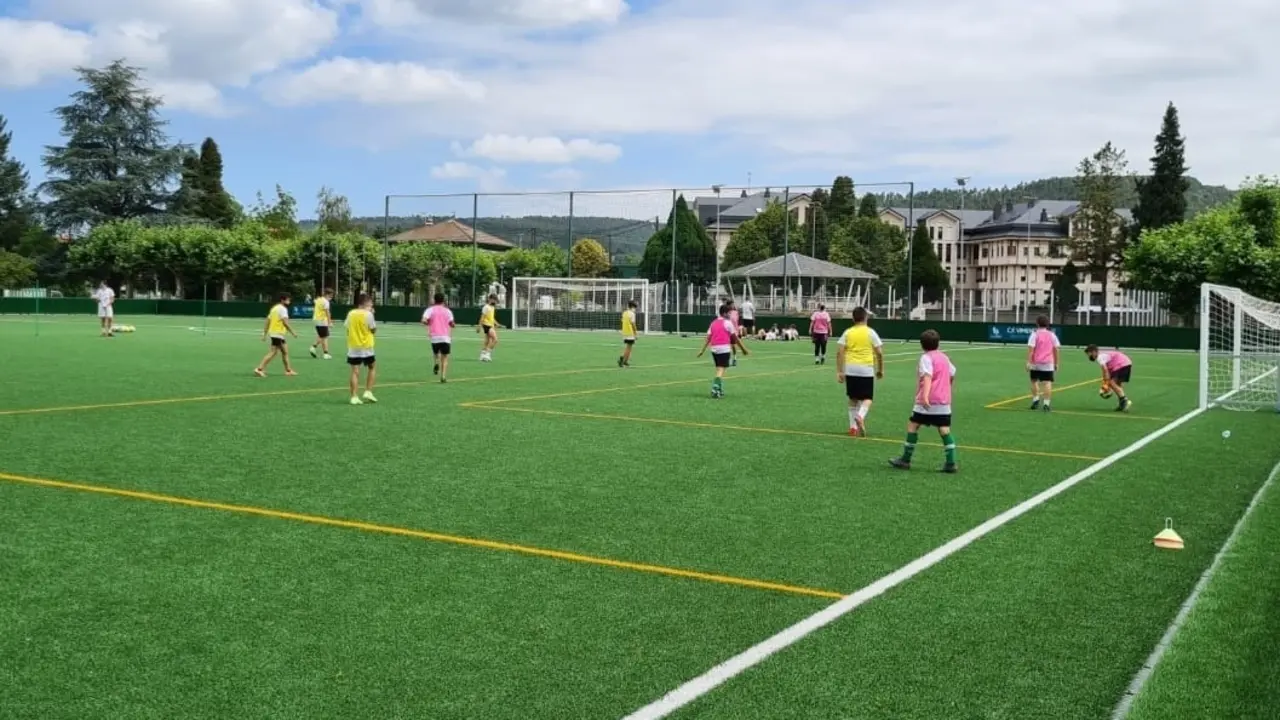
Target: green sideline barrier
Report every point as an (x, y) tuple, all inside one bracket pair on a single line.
[(1154, 338)]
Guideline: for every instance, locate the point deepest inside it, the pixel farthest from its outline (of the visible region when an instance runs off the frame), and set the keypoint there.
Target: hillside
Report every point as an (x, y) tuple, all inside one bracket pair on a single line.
[(1200, 197)]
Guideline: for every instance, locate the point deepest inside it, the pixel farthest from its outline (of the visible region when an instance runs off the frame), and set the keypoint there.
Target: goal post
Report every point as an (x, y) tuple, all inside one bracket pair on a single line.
[(1239, 350), (582, 303)]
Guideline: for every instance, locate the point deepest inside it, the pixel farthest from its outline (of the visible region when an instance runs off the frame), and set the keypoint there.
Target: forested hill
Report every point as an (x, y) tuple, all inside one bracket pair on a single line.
[(1200, 197), (625, 237)]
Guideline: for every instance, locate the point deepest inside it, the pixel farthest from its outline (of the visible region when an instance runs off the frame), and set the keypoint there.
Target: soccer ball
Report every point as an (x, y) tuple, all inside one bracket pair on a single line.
[(1104, 393), (126, 328)]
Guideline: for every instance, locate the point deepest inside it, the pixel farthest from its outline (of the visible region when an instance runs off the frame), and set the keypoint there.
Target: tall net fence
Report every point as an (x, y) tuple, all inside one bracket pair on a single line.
[(1240, 350)]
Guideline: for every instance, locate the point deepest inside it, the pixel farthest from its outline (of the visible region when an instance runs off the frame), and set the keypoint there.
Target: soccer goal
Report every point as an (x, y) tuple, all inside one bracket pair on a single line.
[(580, 303), (1239, 350)]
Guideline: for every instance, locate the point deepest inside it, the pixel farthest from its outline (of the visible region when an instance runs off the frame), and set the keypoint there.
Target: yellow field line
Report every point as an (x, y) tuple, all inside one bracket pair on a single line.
[(1085, 413), (1056, 389), (431, 536), (770, 431)]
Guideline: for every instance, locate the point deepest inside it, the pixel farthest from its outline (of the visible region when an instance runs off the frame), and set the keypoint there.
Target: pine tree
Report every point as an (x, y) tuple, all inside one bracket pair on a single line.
[(1065, 293), (15, 200), (1100, 232), (215, 204), (695, 253), (842, 206), (187, 199), (867, 207), (117, 162), (1162, 198), (926, 269)]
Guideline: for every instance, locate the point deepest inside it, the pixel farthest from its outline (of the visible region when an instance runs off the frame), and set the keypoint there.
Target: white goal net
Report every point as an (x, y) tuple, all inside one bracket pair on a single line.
[(582, 303), (1239, 350)]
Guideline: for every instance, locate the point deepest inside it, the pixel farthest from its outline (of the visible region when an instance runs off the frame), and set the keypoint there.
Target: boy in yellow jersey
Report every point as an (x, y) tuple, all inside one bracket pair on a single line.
[(276, 326), (361, 328), (322, 316), (489, 326), (628, 334), (859, 363)]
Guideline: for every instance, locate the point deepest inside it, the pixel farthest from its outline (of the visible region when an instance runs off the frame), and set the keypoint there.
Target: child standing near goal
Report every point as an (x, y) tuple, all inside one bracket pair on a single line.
[(489, 327), (737, 331), (106, 298), (628, 334), (361, 328), (439, 321), (935, 375), (322, 316), (276, 326), (859, 363), (1117, 369), (722, 338), (1043, 349), (819, 331)]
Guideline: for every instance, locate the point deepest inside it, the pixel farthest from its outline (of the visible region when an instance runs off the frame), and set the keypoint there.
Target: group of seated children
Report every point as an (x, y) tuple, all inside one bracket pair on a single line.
[(775, 333)]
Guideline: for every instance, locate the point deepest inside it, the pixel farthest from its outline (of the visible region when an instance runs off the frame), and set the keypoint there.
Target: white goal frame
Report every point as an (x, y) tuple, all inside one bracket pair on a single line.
[(564, 303), (1239, 350)]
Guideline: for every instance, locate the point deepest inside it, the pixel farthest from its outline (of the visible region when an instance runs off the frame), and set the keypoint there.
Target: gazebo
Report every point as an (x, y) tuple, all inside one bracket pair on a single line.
[(779, 272)]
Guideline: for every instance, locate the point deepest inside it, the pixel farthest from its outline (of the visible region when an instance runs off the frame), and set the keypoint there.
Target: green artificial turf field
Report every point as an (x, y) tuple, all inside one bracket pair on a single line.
[(550, 536)]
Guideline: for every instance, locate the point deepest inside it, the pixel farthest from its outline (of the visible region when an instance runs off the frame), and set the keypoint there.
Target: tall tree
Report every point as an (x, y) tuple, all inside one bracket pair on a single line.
[(215, 204), (1162, 198), (842, 206), (280, 217), (333, 211), (186, 199), (1100, 233), (867, 207), (1065, 293), (117, 162), (1259, 202), (589, 259), (926, 269), (15, 200), (695, 253)]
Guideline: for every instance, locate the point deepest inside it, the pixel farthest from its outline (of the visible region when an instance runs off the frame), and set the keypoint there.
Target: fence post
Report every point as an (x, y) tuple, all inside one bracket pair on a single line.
[(37, 308), (204, 310), (475, 254), (569, 265), (386, 257), (911, 233), (675, 229)]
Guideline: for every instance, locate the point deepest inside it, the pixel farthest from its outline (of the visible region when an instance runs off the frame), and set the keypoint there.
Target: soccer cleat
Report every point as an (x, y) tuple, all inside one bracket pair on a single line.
[(950, 468), (290, 373), (900, 464), (259, 372), (861, 424), (620, 362), (823, 360), (312, 350), (1124, 405), (356, 401), (1046, 408), (327, 356), (435, 369), (368, 397), (1035, 404), (733, 361), (817, 361), (442, 380)]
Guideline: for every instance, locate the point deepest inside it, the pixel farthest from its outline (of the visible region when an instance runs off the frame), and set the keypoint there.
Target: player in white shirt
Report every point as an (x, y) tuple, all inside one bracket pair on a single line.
[(106, 308), (322, 316), (748, 312)]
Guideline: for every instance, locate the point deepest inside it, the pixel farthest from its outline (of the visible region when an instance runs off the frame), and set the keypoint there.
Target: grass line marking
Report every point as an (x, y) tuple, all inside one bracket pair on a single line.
[(1057, 389), (1153, 660), (736, 665), (770, 431), (437, 537), (1093, 413)]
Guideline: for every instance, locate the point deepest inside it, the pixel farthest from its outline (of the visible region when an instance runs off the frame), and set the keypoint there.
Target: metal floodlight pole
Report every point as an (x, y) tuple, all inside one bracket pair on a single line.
[(786, 245), (717, 189), (675, 228), (960, 247), (570, 263), (386, 230), (911, 236), (475, 254)]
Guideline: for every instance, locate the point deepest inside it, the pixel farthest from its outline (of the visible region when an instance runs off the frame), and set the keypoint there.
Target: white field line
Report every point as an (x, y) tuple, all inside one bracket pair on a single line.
[(734, 666), (1149, 667)]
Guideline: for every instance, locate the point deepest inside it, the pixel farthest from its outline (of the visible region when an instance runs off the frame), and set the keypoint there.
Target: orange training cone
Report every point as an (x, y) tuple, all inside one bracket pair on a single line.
[(1168, 538)]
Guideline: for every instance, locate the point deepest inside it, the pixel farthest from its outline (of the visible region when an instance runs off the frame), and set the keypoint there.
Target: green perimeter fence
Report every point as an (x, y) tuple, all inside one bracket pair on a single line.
[(1149, 338)]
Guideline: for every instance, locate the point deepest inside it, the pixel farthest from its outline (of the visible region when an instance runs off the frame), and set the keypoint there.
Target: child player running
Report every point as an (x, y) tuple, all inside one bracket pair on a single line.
[(439, 321), (1043, 349), (1116, 371), (935, 375), (322, 316), (722, 338), (628, 334), (489, 327), (859, 363), (819, 331), (737, 331), (361, 328), (276, 326)]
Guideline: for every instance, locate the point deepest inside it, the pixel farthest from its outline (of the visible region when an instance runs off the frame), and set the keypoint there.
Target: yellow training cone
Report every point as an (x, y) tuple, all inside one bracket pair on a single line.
[(1168, 538)]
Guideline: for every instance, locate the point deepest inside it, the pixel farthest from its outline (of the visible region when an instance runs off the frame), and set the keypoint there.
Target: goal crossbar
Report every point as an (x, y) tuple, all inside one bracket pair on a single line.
[(560, 303)]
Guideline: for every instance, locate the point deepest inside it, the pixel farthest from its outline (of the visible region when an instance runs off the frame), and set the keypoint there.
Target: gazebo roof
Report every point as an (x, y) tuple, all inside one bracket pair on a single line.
[(451, 232), (797, 265)]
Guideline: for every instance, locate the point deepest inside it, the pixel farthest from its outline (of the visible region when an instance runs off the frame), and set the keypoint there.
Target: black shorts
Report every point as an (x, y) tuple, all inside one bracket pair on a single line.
[(858, 387), (628, 341), (357, 361), (1122, 375), (322, 331), (931, 420), (818, 338), (277, 342), (487, 330), (748, 323), (1041, 376), (721, 359), (441, 348)]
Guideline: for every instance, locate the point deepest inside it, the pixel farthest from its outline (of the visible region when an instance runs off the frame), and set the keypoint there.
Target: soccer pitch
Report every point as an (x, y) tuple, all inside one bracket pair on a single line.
[(550, 536)]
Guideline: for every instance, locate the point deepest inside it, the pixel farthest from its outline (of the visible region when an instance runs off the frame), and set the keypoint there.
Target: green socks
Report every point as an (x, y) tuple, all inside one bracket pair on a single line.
[(909, 447), (949, 448), (717, 384)]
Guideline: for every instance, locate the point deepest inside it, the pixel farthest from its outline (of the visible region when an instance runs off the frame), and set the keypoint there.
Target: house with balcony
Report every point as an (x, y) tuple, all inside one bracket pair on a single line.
[(1010, 255), (723, 215)]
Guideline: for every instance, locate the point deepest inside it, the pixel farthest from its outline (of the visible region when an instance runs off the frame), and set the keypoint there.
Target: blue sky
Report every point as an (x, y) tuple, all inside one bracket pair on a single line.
[(377, 97)]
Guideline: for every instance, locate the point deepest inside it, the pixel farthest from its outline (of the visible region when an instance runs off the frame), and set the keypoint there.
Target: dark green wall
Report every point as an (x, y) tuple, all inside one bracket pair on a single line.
[(1156, 338)]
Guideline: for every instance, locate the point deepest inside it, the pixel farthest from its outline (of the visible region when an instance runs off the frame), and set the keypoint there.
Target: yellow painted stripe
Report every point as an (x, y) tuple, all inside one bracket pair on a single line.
[(431, 536), (620, 388), (1097, 414), (770, 431), (1056, 389)]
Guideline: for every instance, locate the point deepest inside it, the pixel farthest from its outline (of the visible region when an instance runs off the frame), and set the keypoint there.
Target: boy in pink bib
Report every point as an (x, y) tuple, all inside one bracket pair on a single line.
[(722, 338), (1042, 361), (439, 321), (820, 331), (934, 377), (1117, 368)]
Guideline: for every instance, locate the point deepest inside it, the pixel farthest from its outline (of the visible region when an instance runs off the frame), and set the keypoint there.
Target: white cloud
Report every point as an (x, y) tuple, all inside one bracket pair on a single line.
[(486, 179), (548, 150), (371, 83), (519, 13), (32, 52)]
